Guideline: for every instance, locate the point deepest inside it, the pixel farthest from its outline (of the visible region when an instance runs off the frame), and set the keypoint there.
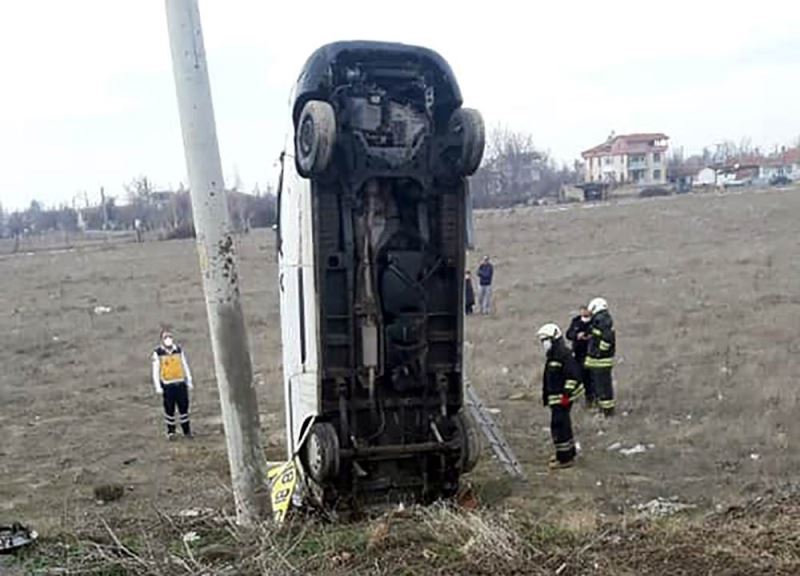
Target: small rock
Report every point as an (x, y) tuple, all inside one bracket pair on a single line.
[(342, 557), (504, 370), (638, 449), (194, 512), (754, 456)]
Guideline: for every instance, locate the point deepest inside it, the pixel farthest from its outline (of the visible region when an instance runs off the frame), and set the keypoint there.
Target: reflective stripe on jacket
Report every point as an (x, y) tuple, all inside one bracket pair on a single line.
[(603, 343), (561, 375)]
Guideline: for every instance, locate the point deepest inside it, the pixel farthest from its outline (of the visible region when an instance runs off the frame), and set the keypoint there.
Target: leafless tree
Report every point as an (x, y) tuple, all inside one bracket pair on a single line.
[(745, 146), (515, 171)]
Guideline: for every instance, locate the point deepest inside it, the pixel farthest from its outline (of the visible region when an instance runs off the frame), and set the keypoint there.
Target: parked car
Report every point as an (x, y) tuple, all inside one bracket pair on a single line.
[(780, 180)]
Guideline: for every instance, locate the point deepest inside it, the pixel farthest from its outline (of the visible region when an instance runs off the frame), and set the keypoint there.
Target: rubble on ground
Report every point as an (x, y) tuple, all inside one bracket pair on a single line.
[(661, 507)]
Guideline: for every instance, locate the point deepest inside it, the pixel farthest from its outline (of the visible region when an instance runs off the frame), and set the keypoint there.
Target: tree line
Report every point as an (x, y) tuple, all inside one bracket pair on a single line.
[(167, 212), (517, 172)]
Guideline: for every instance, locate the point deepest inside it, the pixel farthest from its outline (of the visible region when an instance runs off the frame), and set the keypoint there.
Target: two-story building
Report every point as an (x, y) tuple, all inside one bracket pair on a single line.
[(785, 163), (628, 159)]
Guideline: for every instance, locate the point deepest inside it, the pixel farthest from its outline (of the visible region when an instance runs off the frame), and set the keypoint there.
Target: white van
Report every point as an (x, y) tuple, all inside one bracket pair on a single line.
[(371, 240)]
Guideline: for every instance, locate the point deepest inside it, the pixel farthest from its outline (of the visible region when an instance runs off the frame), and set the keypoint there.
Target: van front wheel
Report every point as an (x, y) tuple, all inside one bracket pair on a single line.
[(470, 440), (321, 452)]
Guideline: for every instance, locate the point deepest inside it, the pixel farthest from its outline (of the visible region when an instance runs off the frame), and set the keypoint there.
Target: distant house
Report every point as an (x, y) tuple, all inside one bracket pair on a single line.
[(628, 159), (785, 163), (737, 173), (705, 177)]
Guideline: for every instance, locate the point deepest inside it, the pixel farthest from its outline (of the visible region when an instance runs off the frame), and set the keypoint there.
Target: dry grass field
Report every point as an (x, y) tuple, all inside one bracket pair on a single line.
[(705, 292)]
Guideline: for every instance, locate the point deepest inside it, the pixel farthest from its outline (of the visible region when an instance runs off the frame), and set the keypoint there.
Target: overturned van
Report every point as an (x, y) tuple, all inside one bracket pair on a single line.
[(372, 233)]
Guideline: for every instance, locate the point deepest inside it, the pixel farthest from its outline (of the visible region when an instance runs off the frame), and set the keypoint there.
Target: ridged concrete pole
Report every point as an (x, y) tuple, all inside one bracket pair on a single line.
[(215, 245)]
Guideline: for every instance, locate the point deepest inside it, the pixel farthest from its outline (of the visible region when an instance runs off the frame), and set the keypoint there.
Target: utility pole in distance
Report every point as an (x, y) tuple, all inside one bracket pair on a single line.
[(215, 245)]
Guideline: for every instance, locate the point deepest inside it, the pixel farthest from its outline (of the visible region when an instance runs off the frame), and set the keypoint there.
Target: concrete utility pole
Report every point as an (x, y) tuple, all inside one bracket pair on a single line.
[(218, 263)]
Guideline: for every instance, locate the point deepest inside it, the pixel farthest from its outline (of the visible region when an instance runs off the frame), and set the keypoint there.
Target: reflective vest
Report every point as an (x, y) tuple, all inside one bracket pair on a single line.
[(170, 365)]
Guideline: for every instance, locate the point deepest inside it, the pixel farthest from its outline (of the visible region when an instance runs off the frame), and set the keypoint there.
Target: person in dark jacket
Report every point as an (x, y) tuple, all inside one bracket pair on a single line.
[(600, 355), (485, 277), (469, 293), (561, 386), (579, 333)]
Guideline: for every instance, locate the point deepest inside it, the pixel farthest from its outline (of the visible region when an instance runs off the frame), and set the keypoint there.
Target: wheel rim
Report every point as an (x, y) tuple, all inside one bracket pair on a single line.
[(315, 458), (307, 134)]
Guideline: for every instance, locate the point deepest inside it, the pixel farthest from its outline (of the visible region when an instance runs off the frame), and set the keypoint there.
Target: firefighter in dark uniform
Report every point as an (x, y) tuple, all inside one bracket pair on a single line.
[(561, 386), (173, 380), (579, 334), (600, 355)]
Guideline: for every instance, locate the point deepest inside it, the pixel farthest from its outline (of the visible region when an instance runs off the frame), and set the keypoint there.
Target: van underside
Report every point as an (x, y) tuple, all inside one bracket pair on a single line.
[(389, 225)]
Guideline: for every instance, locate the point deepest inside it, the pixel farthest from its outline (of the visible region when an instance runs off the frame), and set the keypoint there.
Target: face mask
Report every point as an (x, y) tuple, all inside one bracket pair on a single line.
[(168, 342), (585, 319), (547, 344)]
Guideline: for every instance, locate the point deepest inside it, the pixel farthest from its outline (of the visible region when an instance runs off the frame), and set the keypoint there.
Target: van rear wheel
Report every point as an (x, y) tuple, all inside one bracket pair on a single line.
[(315, 138), (467, 124)]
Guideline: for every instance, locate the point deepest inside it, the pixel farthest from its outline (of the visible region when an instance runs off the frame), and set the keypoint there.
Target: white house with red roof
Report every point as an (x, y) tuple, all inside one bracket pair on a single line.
[(785, 163), (628, 159)]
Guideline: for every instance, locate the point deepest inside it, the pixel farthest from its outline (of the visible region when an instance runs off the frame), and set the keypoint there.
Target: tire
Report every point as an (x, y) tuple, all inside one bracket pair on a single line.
[(315, 138), (470, 441), (467, 123), (321, 452)]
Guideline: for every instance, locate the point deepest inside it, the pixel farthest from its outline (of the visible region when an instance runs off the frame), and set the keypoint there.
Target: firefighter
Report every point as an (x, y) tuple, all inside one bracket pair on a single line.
[(561, 386), (600, 355), (579, 334), (172, 380)]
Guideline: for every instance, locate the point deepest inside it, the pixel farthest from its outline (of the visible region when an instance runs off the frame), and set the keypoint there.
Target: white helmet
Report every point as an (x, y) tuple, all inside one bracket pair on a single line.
[(597, 305), (549, 331)]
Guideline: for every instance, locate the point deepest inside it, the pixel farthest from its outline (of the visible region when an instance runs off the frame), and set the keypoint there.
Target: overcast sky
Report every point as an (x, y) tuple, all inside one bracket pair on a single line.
[(88, 100)]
